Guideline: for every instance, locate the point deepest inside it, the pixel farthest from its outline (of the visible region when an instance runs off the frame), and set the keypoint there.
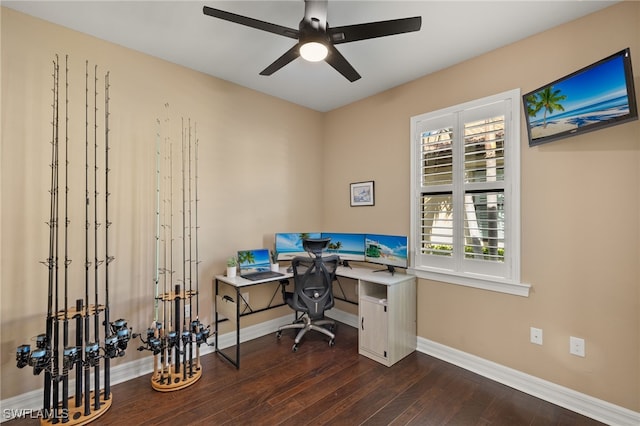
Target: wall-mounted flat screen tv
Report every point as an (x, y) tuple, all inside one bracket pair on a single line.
[(597, 96), (347, 246), (289, 244)]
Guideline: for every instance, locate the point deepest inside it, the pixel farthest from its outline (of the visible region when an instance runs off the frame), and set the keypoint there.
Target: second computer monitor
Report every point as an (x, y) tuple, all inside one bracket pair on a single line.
[(347, 246)]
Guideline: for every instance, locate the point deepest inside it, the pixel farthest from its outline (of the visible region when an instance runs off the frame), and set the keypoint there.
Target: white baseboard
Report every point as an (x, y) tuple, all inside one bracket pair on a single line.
[(564, 397), (559, 395), (343, 317)]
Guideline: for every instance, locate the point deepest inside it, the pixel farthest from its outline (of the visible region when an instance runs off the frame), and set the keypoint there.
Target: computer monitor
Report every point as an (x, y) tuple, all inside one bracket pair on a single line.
[(289, 244), (388, 250), (347, 246)]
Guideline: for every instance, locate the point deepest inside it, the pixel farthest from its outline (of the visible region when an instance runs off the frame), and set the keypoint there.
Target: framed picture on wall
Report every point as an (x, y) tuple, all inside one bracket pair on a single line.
[(362, 194)]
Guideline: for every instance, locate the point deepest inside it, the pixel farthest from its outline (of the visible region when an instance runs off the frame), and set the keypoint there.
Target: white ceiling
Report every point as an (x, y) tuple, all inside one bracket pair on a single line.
[(178, 31)]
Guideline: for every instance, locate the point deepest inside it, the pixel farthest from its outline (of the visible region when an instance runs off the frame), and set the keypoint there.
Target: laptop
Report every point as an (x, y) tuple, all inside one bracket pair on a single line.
[(255, 265)]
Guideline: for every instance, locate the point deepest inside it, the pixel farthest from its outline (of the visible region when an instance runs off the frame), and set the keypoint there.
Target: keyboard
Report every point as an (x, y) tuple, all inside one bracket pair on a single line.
[(262, 275)]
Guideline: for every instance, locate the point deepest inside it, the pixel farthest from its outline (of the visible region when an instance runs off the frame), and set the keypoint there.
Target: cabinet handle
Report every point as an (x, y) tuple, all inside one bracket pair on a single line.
[(362, 323)]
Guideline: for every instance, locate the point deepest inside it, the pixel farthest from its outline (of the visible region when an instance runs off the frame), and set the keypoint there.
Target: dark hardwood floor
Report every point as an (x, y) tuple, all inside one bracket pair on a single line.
[(328, 385)]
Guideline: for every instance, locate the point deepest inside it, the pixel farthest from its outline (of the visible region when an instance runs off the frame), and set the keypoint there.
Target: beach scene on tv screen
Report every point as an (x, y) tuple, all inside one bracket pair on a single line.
[(596, 95)]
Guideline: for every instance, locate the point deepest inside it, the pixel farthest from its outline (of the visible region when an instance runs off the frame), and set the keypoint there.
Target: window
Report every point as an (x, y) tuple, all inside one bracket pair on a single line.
[(465, 194)]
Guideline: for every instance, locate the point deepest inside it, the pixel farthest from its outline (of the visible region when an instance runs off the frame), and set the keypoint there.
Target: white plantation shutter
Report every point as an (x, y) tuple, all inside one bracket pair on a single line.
[(465, 189)]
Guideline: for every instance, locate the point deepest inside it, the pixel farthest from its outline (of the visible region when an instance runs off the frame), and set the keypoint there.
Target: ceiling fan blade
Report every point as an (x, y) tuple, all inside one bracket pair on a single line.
[(283, 60), (340, 64), (349, 33), (250, 22), (315, 14)]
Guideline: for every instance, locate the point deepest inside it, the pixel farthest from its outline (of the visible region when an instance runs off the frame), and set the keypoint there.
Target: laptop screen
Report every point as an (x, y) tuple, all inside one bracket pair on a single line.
[(256, 260)]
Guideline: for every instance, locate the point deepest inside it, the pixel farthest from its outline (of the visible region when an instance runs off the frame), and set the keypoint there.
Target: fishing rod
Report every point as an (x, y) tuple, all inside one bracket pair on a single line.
[(108, 259), (200, 334), (184, 256), (171, 337), (87, 263), (96, 262), (164, 360), (56, 328), (197, 328), (67, 261), (161, 269), (154, 335), (190, 258), (156, 276), (197, 226), (45, 341)]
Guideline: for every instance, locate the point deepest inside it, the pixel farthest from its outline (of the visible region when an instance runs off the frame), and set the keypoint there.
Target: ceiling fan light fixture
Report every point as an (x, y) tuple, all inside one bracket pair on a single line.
[(313, 51)]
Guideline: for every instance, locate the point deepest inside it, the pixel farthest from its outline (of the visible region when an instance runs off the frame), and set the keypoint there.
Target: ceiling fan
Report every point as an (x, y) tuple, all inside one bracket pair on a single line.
[(316, 39)]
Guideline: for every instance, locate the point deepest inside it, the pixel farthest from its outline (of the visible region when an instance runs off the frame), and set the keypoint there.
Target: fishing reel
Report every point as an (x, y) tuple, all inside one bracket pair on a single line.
[(152, 343), (39, 358), (23, 354), (111, 346), (201, 333), (123, 334), (172, 339), (116, 343), (186, 337), (70, 356), (155, 345), (92, 354)]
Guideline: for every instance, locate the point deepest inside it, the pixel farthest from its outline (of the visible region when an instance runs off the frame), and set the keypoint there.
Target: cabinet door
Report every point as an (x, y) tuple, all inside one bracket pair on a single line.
[(373, 327)]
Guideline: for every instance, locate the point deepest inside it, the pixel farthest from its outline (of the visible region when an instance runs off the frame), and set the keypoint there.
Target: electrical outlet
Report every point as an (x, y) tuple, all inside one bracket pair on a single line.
[(187, 311), (576, 346), (536, 335)]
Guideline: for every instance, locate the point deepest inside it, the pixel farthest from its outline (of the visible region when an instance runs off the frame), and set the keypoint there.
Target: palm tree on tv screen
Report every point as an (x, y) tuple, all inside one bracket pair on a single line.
[(547, 98)]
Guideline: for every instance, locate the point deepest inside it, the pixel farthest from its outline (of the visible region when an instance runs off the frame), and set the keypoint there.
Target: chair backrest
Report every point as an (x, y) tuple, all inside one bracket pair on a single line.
[(313, 279)]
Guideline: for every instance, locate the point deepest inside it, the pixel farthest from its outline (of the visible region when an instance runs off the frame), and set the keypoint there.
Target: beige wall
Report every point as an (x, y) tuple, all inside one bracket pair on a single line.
[(251, 146), (581, 260), (580, 214)]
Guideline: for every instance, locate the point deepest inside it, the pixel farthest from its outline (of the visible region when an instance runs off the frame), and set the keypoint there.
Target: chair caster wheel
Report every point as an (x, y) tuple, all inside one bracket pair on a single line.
[(278, 334), (294, 348), (332, 342)]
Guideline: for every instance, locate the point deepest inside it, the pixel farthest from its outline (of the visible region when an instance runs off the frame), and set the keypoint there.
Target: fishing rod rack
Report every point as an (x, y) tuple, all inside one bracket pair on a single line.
[(176, 333), (55, 352)]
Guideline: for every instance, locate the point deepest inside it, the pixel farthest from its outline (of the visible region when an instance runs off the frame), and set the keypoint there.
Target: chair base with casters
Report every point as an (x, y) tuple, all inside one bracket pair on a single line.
[(305, 324)]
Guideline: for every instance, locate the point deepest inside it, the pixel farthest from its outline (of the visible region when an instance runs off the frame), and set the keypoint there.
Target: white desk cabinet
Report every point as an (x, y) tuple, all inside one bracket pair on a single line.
[(386, 314)]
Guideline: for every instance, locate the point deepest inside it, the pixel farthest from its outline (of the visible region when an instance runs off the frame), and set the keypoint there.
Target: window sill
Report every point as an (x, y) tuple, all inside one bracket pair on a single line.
[(476, 281)]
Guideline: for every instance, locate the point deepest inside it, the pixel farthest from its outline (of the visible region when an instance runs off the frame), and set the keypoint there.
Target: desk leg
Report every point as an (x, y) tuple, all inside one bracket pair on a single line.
[(215, 313), (237, 327), (235, 362)]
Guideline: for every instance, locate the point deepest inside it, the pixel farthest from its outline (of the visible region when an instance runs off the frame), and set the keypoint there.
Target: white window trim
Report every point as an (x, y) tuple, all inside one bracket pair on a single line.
[(509, 286)]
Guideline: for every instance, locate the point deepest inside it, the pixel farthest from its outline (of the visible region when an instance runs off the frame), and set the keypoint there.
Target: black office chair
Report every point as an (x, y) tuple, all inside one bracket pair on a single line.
[(313, 277)]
